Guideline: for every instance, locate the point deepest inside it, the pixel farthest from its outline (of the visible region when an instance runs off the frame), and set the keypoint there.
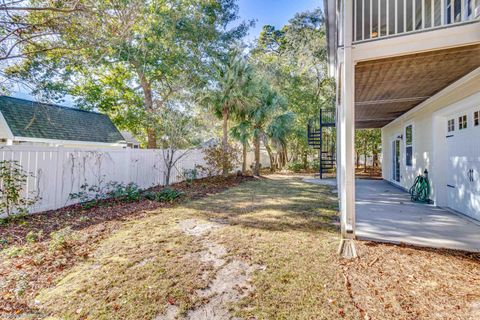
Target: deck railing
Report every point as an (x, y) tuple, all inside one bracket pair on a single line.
[(374, 19)]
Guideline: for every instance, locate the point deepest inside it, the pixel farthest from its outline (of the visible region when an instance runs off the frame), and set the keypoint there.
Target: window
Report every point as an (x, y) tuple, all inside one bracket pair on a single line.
[(409, 145), (451, 125), (476, 118), (462, 122)]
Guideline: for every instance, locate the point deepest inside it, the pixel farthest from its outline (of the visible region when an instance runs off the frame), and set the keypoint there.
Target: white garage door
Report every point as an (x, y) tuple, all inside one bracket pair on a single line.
[(463, 151)]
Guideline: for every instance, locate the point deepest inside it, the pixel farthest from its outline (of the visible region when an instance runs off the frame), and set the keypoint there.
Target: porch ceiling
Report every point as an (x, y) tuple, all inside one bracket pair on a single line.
[(387, 88)]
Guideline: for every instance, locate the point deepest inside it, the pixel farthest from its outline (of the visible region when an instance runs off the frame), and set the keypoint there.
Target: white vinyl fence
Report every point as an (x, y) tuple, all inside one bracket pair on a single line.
[(58, 172)]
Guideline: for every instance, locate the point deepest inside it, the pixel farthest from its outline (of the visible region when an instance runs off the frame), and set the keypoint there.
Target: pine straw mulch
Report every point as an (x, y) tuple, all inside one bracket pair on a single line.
[(369, 173), (36, 265), (402, 282), (78, 218)]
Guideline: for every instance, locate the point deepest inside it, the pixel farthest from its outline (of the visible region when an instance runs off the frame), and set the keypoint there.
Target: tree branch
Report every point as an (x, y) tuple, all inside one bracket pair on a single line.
[(72, 10)]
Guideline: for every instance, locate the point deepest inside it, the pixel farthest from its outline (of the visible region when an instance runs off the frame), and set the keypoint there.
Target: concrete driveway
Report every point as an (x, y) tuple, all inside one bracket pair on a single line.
[(385, 213)]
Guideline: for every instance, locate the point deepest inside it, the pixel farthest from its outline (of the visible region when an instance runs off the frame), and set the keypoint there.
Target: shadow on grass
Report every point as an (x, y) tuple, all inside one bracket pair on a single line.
[(274, 205), (79, 218)]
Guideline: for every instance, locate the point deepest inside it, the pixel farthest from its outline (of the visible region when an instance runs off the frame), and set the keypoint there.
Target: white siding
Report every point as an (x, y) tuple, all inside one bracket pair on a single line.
[(423, 120)]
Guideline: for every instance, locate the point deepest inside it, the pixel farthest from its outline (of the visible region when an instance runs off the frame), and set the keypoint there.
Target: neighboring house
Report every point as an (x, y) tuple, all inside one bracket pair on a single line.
[(411, 68), (32, 123), (130, 139)]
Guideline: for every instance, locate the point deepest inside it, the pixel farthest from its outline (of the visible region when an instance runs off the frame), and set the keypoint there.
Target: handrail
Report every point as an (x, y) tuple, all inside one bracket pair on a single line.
[(376, 19)]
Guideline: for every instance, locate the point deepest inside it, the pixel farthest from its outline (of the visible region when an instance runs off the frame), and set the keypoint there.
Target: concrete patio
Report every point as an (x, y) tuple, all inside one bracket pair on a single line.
[(385, 213)]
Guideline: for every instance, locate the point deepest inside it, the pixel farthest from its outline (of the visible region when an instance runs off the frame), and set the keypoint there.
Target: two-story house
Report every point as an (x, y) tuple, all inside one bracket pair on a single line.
[(411, 68)]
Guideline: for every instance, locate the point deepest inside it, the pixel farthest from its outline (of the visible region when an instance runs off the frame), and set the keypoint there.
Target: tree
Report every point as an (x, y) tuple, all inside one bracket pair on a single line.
[(269, 105), (242, 132), (294, 60), (128, 58), (278, 131), (232, 92), (18, 29), (12, 196), (180, 133), (367, 143)]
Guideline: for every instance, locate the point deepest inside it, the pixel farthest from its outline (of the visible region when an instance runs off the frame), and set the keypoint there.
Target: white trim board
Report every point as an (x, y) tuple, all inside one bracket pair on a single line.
[(54, 141), (412, 43), (7, 127)]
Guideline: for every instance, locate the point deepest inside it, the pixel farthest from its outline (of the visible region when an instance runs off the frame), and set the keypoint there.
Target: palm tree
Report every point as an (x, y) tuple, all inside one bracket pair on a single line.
[(278, 131), (270, 103), (232, 92), (242, 132)]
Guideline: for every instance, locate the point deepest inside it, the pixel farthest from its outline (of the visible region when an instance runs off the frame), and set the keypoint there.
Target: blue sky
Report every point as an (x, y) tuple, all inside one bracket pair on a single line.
[(273, 12)]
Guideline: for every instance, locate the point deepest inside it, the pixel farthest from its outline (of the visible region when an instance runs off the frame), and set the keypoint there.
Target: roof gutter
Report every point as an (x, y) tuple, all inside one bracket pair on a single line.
[(55, 141)]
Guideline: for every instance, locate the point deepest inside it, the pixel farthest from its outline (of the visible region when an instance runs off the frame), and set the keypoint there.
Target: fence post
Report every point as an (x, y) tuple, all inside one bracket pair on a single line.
[(58, 177), (128, 156)]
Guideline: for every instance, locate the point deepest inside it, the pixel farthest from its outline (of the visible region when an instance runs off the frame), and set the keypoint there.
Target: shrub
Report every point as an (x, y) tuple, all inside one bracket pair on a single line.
[(315, 165), (19, 218), (61, 239), (296, 166), (165, 195), (12, 180), (214, 158), (33, 236), (122, 192), (91, 195), (190, 175), (14, 252)]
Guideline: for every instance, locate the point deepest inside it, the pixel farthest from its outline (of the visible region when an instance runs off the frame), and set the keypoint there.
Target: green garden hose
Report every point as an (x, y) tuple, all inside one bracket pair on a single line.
[(420, 191)]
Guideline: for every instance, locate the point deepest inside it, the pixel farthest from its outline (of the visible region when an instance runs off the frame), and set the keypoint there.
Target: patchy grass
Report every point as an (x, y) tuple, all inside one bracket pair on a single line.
[(290, 228), (133, 274), (37, 250), (287, 229)]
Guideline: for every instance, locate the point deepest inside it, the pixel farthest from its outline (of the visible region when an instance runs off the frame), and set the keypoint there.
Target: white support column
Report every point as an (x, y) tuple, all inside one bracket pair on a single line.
[(346, 123)]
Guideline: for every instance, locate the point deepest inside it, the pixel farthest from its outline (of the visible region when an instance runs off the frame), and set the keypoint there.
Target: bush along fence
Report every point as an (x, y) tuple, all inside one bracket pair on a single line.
[(49, 178)]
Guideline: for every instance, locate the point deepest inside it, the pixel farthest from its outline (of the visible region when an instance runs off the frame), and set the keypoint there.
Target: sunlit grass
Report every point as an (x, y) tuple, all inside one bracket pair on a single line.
[(286, 226)]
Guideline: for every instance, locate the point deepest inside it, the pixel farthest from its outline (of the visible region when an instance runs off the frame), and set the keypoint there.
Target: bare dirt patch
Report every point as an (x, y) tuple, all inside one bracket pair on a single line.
[(231, 283)]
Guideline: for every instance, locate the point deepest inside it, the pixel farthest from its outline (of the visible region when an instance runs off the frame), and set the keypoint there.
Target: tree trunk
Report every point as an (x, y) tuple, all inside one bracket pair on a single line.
[(270, 155), (256, 167), (244, 164), (305, 159), (148, 99), (169, 164), (365, 164), (281, 159), (286, 153), (167, 176), (225, 142), (358, 159), (151, 139)]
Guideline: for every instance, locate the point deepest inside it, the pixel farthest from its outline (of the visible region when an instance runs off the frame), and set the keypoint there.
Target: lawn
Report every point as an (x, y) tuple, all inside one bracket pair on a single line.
[(262, 249)]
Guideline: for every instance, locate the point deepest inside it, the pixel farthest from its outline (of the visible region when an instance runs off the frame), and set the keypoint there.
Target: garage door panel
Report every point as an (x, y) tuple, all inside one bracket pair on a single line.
[(463, 170)]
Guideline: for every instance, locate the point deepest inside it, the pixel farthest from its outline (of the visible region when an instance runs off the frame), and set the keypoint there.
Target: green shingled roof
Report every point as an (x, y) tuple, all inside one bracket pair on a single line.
[(39, 120)]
